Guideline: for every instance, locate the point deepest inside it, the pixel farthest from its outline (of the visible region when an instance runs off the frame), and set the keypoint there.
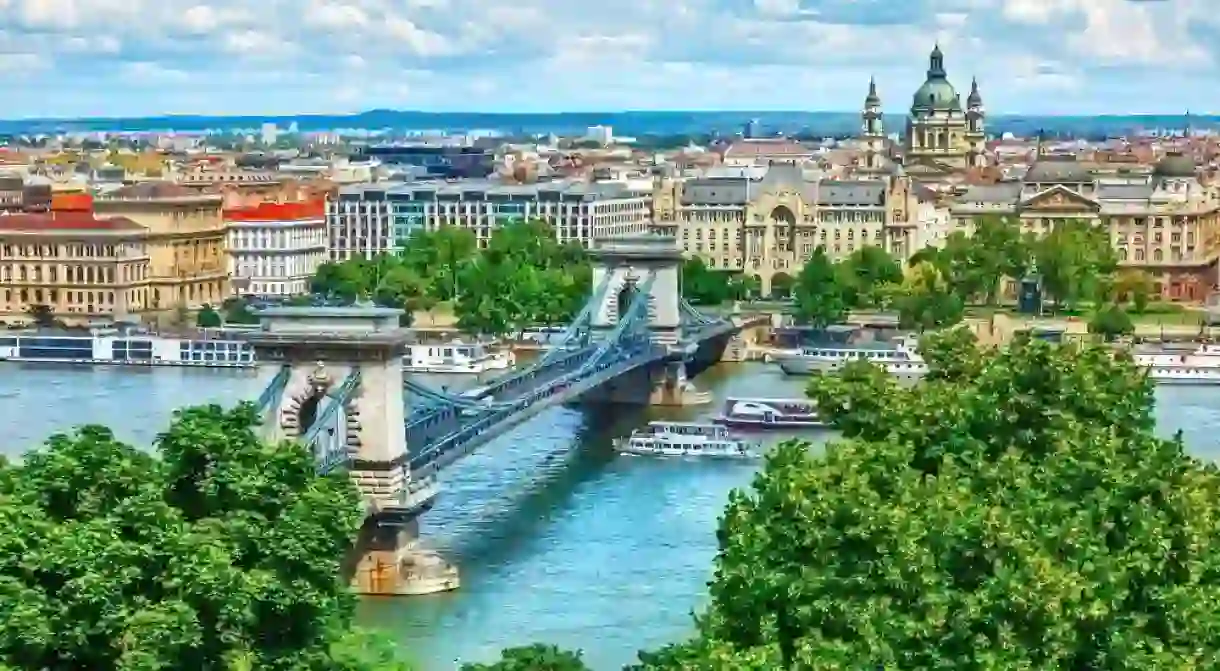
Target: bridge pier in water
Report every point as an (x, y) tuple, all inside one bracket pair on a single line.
[(342, 394)]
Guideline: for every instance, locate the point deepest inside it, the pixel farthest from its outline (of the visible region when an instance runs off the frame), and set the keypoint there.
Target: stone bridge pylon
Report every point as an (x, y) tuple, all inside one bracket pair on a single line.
[(352, 357), (633, 264)]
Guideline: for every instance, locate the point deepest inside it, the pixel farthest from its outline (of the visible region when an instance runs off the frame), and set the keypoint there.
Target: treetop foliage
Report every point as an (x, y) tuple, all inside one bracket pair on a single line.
[(535, 657), (524, 277), (702, 285), (219, 552), (1075, 263), (1013, 510)]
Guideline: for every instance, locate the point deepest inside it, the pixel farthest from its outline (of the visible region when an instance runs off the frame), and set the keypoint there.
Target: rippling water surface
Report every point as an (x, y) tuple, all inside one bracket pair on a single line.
[(558, 539)]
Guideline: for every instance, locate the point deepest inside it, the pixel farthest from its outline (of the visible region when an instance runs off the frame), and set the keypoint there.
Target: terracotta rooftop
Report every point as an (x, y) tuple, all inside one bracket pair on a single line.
[(71, 202), (153, 191), (768, 147), (63, 222), (315, 209)]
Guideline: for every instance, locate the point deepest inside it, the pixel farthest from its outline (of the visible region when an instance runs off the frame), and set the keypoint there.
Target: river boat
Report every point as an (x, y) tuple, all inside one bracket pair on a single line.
[(1200, 366), (686, 439), (456, 358), (897, 358), (127, 350), (770, 413)]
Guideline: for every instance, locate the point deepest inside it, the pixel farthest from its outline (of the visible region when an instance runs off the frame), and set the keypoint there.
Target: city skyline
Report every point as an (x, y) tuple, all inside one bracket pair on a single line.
[(90, 58)]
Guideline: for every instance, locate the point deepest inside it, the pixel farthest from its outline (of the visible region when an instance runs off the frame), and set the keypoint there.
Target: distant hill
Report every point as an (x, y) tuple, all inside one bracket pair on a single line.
[(624, 123)]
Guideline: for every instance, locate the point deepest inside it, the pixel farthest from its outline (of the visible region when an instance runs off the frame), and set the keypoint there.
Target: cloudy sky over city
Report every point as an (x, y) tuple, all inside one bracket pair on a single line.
[(138, 57)]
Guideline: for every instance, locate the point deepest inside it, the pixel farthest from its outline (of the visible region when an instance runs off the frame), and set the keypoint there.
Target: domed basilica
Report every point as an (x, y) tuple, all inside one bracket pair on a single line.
[(942, 135)]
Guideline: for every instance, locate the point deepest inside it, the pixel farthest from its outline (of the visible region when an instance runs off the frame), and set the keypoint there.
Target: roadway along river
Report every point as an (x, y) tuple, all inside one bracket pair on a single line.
[(558, 540)]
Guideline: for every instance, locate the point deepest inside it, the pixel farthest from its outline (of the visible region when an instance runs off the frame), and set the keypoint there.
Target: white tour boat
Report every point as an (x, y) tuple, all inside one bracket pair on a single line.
[(1200, 366), (686, 439), (770, 413), (896, 358), (455, 357)]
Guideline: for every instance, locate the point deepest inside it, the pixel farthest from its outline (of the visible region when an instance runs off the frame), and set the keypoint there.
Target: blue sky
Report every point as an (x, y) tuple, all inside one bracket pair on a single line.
[(143, 57)]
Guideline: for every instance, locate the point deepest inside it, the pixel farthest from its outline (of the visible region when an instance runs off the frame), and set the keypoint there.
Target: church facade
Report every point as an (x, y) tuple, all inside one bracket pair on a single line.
[(942, 134)]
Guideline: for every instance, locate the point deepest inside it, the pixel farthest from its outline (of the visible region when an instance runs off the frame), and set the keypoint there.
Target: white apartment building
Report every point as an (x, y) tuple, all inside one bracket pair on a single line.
[(275, 248), (372, 218)]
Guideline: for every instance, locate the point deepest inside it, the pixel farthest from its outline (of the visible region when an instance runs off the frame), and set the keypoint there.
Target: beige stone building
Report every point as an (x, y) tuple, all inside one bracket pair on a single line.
[(1165, 223), (185, 240), (766, 223), (81, 267)]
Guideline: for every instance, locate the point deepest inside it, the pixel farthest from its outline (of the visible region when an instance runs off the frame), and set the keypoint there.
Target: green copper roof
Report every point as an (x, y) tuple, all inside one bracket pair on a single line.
[(936, 93)]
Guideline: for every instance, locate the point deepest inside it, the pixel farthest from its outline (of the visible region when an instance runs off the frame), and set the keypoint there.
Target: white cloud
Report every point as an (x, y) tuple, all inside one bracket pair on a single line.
[(549, 54), (153, 74), (21, 65)]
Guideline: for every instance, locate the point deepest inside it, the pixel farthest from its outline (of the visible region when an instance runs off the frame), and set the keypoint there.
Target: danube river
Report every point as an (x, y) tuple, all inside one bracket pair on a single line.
[(558, 539)]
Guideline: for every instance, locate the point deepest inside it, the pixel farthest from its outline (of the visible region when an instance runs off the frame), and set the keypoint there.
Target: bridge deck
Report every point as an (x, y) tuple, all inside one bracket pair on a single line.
[(448, 435)]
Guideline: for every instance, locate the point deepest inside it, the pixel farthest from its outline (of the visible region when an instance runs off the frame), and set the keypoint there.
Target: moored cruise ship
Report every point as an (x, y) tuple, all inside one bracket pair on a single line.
[(455, 357), (1200, 366), (132, 350), (897, 358)]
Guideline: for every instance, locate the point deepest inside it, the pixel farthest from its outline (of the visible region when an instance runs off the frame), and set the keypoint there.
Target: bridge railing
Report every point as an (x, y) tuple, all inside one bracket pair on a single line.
[(469, 436), (626, 347)]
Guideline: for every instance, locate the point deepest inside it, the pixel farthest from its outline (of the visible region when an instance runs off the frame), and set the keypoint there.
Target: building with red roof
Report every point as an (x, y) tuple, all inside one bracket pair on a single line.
[(274, 249)]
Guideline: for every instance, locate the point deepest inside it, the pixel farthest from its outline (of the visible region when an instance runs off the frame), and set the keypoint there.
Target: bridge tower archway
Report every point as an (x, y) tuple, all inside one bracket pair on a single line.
[(322, 348), (628, 264)]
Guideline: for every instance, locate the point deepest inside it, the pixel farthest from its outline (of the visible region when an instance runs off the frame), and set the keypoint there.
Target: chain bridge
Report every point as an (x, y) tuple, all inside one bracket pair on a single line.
[(341, 390)]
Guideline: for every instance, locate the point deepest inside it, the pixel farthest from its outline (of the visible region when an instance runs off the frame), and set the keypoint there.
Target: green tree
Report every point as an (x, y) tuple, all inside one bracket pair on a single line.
[(524, 278), (1076, 262), (223, 553), (208, 318), (440, 256), (821, 298), (1111, 321), (400, 287), (703, 286), (346, 280), (924, 300), (237, 311), (867, 272), (41, 314), (999, 250), (967, 272), (535, 657), (1020, 514), (1134, 286), (744, 287)]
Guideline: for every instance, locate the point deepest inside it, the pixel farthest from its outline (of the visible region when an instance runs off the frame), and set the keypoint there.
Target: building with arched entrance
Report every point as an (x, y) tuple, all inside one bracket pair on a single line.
[(766, 221)]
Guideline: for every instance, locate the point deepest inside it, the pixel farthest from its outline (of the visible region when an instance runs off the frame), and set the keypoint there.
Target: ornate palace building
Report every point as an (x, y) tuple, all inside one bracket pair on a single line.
[(1164, 223), (765, 221)]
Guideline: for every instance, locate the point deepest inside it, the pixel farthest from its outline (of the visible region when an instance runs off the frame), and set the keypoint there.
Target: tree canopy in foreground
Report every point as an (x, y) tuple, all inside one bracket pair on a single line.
[(1012, 511), (223, 553)]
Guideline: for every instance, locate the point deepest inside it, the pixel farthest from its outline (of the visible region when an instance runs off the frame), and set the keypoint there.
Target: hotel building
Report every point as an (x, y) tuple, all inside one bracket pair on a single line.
[(275, 248), (368, 219)]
